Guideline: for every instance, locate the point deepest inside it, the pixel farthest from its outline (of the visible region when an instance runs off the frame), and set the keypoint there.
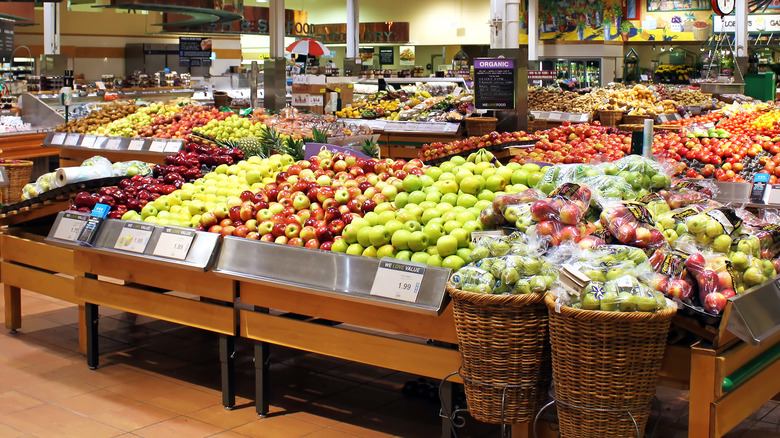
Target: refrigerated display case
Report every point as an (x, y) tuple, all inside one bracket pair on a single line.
[(586, 71)]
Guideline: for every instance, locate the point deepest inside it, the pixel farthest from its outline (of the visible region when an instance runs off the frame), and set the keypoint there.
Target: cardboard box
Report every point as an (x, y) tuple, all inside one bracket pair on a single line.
[(308, 89)]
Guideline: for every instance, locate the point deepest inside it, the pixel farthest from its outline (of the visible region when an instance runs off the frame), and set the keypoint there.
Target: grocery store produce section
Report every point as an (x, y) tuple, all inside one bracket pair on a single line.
[(566, 210)]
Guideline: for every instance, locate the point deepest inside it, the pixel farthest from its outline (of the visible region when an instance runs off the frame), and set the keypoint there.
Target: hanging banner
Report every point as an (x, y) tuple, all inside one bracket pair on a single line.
[(756, 23)]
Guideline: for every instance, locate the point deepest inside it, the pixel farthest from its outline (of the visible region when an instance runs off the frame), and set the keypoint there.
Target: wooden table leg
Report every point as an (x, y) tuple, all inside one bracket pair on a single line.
[(13, 308), (702, 393), (227, 353)]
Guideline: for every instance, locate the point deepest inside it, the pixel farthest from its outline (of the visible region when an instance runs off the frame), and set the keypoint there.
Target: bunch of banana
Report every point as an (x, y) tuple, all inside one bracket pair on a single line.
[(481, 156)]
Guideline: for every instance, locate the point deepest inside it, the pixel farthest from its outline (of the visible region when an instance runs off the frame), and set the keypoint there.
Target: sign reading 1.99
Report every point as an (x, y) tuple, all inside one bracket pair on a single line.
[(494, 83)]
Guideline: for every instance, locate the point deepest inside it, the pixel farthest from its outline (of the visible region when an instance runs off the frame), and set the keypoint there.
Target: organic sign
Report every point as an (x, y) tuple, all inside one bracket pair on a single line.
[(494, 83)]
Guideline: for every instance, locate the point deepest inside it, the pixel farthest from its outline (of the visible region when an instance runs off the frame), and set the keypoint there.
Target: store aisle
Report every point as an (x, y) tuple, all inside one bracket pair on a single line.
[(159, 379)]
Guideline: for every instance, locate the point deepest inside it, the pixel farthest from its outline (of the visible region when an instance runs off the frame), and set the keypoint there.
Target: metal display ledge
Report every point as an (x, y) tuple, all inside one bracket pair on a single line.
[(722, 87), (348, 277), (75, 148)]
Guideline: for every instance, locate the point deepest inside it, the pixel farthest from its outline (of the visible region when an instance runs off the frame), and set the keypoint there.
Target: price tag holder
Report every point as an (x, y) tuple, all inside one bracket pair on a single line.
[(134, 237), (113, 143), (398, 280), (58, 139), (157, 146), (760, 182), (70, 226), (72, 139), (88, 141), (136, 144), (172, 146), (100, 142), (174, 243)]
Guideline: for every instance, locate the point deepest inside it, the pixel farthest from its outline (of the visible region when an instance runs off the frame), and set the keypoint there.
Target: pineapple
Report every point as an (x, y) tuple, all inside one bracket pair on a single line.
[(271, 140), (251, 146), (319, 136), (294, 148), (370, 148)]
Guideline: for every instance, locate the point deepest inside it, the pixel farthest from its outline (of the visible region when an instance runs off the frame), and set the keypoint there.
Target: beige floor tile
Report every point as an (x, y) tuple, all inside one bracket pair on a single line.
[(58, 389), (40, 419), (219, 416), (14, 401), (360, 431), (10, 432), (88, 427), (228, 434), (179, 426), (278, 427), (330, 433), (134, 416)]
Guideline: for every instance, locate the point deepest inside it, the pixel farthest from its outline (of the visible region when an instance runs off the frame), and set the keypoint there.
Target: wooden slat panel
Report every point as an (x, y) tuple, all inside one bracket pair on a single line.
[(410, 357), (152, 273), (184, 311), (739, 355), (440, 328), (24, 146), (38, 254), (746, 399), (41, 282)]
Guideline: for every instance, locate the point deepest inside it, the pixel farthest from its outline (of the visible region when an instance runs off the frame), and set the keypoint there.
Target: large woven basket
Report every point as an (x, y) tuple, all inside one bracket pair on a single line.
[(605, 365), (478, 126), (503, 341), (18, 175), (610, 118)]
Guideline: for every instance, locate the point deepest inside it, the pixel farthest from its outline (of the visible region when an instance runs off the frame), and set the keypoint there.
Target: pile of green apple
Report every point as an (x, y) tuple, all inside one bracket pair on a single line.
[(231, 128)]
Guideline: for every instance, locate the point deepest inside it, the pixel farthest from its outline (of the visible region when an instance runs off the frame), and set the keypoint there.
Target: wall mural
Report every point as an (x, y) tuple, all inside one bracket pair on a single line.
[(605, 20)]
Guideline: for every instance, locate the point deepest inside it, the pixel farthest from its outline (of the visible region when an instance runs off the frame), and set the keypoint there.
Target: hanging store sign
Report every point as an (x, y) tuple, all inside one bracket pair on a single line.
[(255, 21), (494, 83), (536, 75), (756, 23), (389, 32)]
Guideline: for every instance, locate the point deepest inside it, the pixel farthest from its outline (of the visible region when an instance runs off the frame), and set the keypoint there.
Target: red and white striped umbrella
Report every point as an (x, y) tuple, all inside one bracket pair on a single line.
[(308, 46)]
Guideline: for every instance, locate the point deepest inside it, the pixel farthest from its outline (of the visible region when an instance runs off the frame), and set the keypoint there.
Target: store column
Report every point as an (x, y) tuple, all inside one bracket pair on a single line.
[(351, 66), (275, 78), (51, 28), (507, 44), (533, 30), (740, 40)]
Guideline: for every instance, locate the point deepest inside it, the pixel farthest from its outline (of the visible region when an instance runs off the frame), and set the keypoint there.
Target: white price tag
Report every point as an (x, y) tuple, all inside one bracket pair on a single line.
[(556, 115), (174, 243), (88, 141), (134, 237), (544, 115), (100, 142), (3, 178), (136, 144), (172, 146), (157, 146), (113, 143), (72, 139), (476, 235), (398, 280), (58, 138), (70, 227)]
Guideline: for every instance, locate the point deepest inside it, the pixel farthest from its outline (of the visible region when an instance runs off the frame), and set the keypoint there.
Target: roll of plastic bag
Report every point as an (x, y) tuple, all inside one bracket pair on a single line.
[(69, 175)]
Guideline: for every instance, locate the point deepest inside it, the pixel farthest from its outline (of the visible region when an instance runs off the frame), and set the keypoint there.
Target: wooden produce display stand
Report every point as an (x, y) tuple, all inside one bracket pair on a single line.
[(73, 149), (24, 146)]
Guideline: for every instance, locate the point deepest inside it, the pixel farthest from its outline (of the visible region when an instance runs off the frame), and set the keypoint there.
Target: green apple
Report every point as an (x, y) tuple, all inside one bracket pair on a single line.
[(370, 252), (363, 236), (412, 226), (161, 204), (412, 183), (447, 245), (401, 199), (404, 255), (349, 233), (386, 250), (359, 222), (451, 225), (418, 241), (464, 253), (433, 172), (453, 262), (449, 186), (131, 215), (393, 225), (426, 180), (434, 231), (519, 176), (340, 245), (449, 198), (386, 216), (495, 183), (462, 236), (401, 238), (434, 260), (148, 210), (721, 243), (486, 195), (372, 218), (467, 200), (472, 226), (420, 257), (416, 197), (433, 196), (378, 236), (470, 184), (429, 214)]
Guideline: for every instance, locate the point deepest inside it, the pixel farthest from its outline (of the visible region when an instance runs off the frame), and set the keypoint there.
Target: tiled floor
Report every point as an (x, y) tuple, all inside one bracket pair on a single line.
[(158, 379)]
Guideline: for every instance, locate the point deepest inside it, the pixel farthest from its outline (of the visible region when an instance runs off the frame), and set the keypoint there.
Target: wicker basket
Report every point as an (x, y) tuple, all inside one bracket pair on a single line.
[(610, 118), (18, 175), (536, 125), (605, 364), (477, 126), (637, 119), (503, 341)]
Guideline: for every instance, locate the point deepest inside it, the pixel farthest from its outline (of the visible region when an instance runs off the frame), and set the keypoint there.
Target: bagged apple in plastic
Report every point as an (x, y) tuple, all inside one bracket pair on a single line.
[(631, 224), (473, 279), (685, 192), (567, 204), (554, 176)]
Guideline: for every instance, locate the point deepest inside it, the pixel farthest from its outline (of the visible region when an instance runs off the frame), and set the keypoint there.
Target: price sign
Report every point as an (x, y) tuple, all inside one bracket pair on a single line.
[(72, 139), (556, 115), (100, 142), (70, 227), (88, 141), (134, 237), (174, 243), (58, 138), (172, 146), (113, 143), (398, 280), (544, 115), (157, 146), (136, 144)]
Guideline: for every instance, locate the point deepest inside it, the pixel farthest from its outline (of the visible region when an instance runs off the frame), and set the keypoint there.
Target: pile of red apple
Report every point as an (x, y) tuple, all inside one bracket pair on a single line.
[(581, 143), (181, 123), (135, 192), (438, 150)]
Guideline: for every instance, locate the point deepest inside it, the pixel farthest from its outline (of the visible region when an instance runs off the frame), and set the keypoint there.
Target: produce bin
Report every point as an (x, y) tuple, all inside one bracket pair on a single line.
[(506, 354), (605, 368)]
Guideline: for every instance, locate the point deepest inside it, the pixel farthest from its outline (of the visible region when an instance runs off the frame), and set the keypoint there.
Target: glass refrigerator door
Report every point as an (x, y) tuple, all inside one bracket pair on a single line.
[(593, 73), (562, 67), (578, 72)]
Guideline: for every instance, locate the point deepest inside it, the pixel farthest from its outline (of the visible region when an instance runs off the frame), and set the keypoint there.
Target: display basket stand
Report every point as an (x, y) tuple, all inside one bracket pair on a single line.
[(605, 368), (18, 176), (479, 126), (505, 351), (610, 117)]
